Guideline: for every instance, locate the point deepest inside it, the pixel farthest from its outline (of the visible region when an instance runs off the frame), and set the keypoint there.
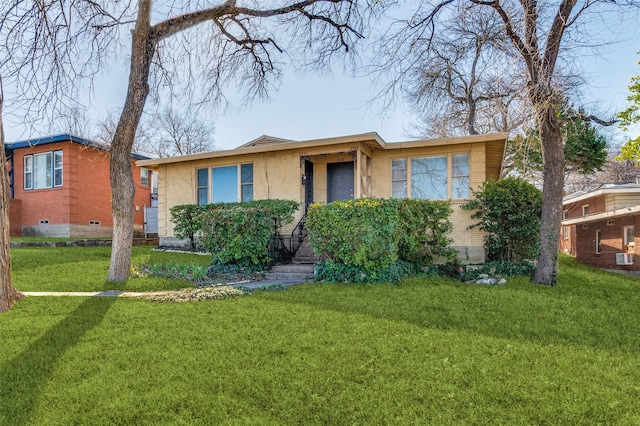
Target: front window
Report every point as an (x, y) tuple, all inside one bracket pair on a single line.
[(229, 184), (246, 182), (224, 184), (43, 170), (437, 177), (399, 178), (429, 178), (565, 232), (203, 186), (460, 176), (598, 242)]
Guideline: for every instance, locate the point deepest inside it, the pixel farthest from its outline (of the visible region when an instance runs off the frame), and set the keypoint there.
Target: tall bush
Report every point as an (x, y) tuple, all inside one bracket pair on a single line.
[(509, 211), (185, 224)]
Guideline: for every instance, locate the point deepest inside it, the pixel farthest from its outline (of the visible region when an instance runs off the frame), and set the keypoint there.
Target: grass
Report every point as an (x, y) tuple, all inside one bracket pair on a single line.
[(423, 352), (86, 268)]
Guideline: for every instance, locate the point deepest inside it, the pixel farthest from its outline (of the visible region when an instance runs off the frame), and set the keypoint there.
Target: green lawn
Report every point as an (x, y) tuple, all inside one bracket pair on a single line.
[(423, 352), (85, 269)]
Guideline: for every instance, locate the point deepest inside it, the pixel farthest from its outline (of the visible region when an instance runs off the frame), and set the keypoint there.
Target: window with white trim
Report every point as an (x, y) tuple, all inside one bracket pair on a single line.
[(43, 170), (399, 178), (228, 184), (629, 235), (598, 242), (144, 176), (202, 187), (246, 182), (436, 177)]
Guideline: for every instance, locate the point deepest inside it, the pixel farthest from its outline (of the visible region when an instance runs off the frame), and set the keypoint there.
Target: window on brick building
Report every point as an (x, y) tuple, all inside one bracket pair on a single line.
[(144, 177), (598, 242), (585, 210), (629, 235), (565, 232), (43, 170)]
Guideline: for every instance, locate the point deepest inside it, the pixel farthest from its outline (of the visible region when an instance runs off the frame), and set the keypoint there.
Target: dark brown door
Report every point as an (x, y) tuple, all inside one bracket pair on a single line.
[(308, 188), (339, 181)]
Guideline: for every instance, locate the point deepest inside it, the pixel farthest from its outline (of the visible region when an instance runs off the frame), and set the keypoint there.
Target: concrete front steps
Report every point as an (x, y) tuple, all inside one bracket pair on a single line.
[(301, 268), (305, 254), (291, 272)]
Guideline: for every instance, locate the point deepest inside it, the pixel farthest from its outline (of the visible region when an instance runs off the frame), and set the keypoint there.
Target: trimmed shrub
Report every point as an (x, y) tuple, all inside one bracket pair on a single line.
[(184, 218), (239, 233), (360, 233), (509, 210), (424, 226), (369, 236), (235, 233)]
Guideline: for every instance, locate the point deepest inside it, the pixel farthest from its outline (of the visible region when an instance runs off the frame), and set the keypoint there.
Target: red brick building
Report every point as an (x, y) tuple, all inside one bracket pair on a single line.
[(599, 227), (60, 188)]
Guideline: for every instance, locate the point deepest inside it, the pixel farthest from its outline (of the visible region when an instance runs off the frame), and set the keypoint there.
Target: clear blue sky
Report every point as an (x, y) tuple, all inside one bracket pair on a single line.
[(316, 106)]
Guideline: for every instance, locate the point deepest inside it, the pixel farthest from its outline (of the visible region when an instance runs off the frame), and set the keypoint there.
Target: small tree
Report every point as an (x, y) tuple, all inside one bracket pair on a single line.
[(509, 211), (628, 117)]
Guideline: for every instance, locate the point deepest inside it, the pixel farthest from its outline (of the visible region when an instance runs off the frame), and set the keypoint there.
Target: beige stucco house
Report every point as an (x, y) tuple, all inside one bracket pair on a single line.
[(338, 168)]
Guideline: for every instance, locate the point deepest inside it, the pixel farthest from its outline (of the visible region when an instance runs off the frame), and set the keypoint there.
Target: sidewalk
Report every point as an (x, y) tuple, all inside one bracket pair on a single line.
[(123, 293)]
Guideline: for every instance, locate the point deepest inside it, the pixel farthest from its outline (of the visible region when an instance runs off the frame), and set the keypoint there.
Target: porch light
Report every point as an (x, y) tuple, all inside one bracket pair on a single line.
[(304, 179)]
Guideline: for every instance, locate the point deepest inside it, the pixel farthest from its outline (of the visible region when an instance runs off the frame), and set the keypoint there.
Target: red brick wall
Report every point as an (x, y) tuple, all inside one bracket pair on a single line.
[(51, 203), (15, 218), (568, 245), (596, 205), (611, 239), (85, 194)]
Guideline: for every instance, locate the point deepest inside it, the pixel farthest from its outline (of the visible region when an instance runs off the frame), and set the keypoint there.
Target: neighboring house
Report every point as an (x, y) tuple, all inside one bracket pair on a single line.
[(339, 168), (599, 227), (60, 187)]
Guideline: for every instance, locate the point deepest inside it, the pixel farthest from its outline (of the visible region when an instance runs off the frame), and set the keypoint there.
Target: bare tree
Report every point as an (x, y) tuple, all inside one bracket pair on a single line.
[(178, 133), (537, 31), (241, 48), (8, 294), (40, 60), (465, 81), (105, 129)]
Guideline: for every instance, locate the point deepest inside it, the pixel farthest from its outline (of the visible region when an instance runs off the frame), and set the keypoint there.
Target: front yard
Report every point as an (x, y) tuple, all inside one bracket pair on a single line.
[(423, 352)]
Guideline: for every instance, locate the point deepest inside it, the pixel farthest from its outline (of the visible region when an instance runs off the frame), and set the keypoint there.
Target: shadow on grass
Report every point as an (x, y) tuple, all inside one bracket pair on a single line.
[(519, 311), (23, 378)]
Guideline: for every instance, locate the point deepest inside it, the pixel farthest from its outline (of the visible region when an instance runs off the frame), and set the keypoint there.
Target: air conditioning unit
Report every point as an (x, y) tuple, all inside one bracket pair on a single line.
[(624, 258)]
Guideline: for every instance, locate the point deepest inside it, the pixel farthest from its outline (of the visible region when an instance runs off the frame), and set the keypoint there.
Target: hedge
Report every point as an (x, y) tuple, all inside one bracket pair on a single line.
[(374, 234), (234, 233)]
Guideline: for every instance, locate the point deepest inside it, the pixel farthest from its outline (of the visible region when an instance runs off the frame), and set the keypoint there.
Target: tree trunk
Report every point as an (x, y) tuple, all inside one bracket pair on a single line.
[(552, 191), (122, 185), (8, 294)]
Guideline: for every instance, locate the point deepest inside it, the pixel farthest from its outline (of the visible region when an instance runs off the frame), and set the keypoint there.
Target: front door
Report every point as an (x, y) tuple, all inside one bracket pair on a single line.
[(308, 188), (339, 181)]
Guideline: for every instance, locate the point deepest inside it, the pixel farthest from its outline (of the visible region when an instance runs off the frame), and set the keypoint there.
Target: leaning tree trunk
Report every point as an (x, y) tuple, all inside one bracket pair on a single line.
[(8, 294), (552, 190), (122, 185)]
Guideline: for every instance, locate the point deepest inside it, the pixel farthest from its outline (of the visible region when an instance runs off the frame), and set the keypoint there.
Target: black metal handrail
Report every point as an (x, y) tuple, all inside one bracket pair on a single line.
[(298, 234)]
